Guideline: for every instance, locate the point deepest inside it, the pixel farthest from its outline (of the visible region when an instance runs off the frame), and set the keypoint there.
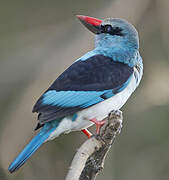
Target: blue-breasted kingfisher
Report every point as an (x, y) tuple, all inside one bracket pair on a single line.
[(100, 81)]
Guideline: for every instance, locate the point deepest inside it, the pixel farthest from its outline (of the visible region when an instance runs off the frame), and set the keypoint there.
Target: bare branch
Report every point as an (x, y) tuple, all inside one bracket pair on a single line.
[(89, 158)]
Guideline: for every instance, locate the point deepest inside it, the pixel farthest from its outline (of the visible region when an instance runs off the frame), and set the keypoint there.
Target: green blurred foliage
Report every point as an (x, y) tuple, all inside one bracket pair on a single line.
[(38, 40)]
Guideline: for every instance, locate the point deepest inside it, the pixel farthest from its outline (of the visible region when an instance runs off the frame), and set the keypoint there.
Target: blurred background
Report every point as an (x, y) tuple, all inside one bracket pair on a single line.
[(39, 40)]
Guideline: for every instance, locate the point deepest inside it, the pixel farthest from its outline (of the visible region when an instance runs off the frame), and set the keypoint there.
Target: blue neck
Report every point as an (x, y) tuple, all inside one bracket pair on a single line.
[(124, 55)]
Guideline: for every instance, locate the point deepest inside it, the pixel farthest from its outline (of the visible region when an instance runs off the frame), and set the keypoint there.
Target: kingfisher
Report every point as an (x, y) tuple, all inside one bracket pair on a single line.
[(97, 83)]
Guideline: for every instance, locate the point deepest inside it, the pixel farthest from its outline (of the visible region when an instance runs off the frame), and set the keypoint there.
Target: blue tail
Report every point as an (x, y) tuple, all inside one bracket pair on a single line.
[(34, 144)]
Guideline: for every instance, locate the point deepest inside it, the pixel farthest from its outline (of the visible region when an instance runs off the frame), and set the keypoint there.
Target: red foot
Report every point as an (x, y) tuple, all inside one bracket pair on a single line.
[(87, 133), (98, 124)]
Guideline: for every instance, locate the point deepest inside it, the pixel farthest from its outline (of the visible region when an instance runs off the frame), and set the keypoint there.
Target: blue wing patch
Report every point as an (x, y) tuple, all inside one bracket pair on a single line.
[(54, 104), (72, 98), (82, 85)]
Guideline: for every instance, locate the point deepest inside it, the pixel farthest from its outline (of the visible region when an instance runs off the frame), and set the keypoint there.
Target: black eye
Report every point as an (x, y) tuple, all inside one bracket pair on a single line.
[(111, 30), (108, 28)]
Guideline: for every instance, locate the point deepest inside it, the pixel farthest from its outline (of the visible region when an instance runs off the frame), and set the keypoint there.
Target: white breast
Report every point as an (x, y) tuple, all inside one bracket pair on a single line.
[(98, 111), (101, 110)]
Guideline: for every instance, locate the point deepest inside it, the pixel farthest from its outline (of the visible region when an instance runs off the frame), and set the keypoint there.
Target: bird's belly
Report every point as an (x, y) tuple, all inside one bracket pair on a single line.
[(102, 109), (98, 111)]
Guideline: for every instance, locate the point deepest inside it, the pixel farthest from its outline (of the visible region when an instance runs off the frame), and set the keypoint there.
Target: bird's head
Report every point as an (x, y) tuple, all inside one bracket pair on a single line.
[(112, 32)]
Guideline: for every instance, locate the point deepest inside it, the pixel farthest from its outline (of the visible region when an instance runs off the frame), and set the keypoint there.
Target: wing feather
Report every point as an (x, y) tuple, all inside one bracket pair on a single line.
[(82, 85)]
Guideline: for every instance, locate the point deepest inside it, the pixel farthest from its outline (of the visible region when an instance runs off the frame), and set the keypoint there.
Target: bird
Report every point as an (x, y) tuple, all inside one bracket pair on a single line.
[(100, 81)]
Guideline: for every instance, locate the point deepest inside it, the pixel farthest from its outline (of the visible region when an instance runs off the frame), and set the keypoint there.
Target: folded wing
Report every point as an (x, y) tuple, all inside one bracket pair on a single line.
[(82, 85)]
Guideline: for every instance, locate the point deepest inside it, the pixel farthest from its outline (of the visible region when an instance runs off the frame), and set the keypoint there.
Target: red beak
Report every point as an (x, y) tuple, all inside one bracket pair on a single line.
[(91, 23)]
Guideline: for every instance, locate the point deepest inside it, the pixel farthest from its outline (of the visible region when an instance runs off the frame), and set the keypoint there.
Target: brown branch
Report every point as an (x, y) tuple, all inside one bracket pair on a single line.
[(89, 158)]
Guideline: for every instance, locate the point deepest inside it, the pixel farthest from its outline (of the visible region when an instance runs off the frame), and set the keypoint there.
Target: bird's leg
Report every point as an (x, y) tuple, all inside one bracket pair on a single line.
[(87, 132), (98, 124)]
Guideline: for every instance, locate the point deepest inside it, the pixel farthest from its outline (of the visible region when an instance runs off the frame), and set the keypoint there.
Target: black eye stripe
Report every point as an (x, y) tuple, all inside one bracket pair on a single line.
[(111, 30)]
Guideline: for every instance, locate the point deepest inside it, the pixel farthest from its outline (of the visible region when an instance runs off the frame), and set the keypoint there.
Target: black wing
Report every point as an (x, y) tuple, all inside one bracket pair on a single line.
[(83, 84)]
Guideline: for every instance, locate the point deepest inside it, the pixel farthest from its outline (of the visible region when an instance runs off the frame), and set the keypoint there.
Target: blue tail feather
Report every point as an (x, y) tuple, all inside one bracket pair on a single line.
[(33, 145)]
